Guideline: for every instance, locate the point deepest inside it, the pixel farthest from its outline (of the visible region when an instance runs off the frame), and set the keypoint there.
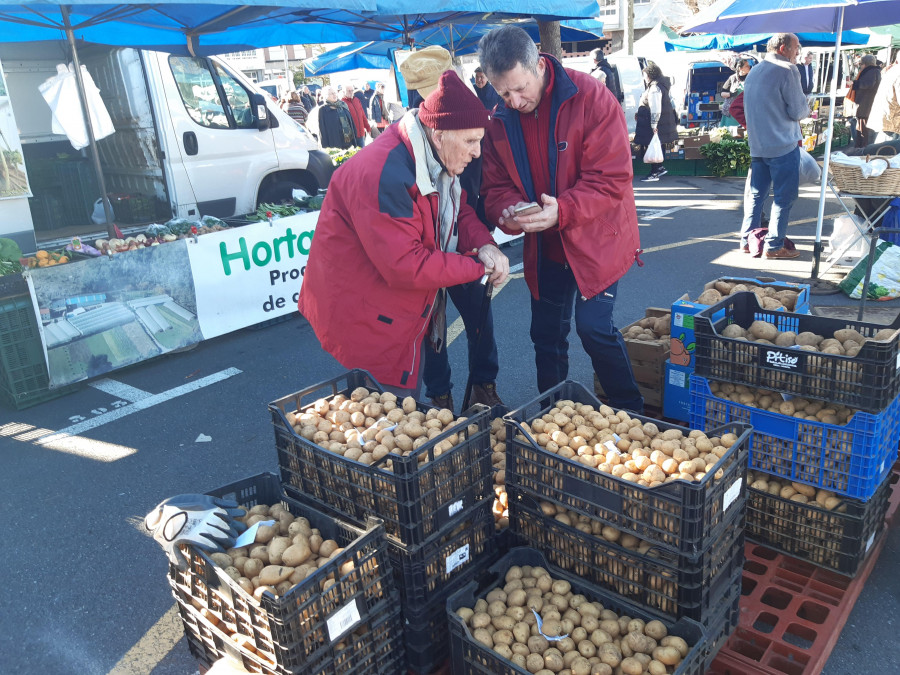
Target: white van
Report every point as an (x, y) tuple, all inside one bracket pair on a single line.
[(193, 137), (627, 69)]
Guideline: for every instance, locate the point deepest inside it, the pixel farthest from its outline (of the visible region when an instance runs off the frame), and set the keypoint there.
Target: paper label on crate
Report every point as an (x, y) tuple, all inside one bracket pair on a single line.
[(343, 620), (455, 507), (678, 319), (609, 445), (781, 360), (678, 378), (898, 360), (870, 542), (732, 493), (459, 557), (249, 535)]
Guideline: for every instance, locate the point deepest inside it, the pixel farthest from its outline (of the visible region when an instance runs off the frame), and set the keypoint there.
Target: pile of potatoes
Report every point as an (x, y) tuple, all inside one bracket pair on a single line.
[(282, 555), (367, 426), (764, 399), (844, 342), (498, 460), (650, 328), (597, 640), (614, 443), (768, 297), (796, 492)]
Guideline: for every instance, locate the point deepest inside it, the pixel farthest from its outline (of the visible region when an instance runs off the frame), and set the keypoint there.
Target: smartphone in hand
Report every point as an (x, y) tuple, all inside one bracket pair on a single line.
[(527, 209)]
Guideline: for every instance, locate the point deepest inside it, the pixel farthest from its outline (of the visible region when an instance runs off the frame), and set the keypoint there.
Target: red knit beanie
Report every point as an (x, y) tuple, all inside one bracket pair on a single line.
[(453, 106)]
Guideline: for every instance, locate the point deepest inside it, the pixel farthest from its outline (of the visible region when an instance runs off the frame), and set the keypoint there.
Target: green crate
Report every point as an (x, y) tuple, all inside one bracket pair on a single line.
[(23, 373)]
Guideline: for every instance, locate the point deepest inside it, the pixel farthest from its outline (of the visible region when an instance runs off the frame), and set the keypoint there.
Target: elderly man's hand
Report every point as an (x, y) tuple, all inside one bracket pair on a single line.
[(496, 265), (546, 218)]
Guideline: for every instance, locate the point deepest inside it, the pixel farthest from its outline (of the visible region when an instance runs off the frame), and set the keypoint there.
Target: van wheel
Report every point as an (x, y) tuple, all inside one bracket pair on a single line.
[(279, 192)]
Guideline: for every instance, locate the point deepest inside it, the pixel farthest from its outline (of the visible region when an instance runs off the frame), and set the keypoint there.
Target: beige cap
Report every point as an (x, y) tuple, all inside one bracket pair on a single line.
[(422, 70)]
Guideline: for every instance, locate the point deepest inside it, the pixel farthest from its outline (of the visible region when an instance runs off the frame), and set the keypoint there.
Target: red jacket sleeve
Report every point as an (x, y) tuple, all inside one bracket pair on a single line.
[(473, 234), (395, 246), (604, 171)]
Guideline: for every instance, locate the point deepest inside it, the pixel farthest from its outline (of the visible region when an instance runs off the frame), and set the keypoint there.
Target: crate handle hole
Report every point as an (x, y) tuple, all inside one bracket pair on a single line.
[(800, 636), (747, 585), (755, 568), (764, 553), (813, 612), (765, 622), (751, 650), (776, 598)]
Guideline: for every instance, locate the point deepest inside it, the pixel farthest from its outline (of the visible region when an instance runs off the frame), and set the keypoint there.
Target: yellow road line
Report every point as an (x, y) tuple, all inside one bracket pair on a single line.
[(153, 647)]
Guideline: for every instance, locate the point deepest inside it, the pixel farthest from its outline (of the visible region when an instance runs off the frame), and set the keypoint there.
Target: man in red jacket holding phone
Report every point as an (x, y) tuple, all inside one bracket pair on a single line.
[(562, 141)]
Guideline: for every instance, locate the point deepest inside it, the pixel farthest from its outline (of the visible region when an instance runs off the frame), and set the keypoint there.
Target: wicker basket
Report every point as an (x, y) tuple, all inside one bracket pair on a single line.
[(849, 179)]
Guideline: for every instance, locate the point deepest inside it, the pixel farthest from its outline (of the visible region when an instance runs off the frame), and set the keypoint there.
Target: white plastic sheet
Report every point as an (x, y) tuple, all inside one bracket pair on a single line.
[(61, 94)]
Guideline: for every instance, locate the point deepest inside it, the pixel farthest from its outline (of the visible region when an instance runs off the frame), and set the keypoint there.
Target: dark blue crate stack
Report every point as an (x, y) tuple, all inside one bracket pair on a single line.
[(691, 539), (437, 514), (78, 191)]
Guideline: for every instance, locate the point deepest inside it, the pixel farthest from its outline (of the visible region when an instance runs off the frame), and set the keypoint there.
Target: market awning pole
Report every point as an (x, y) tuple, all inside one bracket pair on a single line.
[(92, 142), (817, 248)]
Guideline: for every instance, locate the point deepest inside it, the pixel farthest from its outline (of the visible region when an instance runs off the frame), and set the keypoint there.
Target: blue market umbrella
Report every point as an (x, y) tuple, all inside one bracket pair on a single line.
[(739, 42), (459, 39), (738, 17)]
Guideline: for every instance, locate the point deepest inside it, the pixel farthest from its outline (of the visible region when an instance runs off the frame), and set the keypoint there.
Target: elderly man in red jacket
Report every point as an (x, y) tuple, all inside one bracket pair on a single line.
[(393, 233), (561, 141), (360, 119)]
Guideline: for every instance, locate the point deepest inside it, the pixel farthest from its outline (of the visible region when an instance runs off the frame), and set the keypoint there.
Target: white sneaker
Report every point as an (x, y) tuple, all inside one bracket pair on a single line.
[(662, 172), (651, 178)]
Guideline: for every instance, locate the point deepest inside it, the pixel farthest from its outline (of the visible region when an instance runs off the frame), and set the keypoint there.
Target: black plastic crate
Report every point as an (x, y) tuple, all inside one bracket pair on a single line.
[(373, 648), (13, 285), (415, 499), (830, 539), (681, 517), (79, 190), (46, 212), (297, 628), (676, 585), (470, 657), (135, 208), (868, 381), (462, 548)]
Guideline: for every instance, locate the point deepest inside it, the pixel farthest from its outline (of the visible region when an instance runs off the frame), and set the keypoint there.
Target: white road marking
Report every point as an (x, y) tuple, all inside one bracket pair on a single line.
[(120, 390), (665, 212), (143, 404)]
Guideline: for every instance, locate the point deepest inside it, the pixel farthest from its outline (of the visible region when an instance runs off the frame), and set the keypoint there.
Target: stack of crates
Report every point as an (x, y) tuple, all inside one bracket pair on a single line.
[(436, 508), (839, 468), (342, 618), (675, 550), (680, 365)]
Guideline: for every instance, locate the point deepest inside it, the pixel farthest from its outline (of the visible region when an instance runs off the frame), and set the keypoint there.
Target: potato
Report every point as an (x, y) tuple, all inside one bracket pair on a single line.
[(222, 560), (272, 575), (296, 554), (763, 330), (709, 297), (328, 548), (656, 629), (631, 666), (733, 330), (667, 655), (277, 547)]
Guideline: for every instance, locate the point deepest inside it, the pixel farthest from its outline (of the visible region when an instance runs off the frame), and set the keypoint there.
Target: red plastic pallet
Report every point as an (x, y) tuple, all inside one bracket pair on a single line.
[(792, 612)]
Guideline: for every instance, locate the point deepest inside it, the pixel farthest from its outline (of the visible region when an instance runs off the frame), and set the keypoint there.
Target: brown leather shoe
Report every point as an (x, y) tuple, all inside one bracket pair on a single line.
[(745, 249), (486, 394), (443, 401), (782, 254)]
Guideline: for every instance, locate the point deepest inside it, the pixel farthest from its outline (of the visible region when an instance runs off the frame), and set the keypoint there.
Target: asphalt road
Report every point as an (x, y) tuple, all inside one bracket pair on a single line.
[(86, 590)]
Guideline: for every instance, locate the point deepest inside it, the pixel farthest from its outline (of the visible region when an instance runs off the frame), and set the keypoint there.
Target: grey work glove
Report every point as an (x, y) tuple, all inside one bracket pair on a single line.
[(209, 523)]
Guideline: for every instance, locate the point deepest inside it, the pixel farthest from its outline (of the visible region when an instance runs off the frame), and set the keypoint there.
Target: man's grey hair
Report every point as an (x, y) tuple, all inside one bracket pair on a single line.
[(501, 50), (780, 40), (868, 60), (597, 55)]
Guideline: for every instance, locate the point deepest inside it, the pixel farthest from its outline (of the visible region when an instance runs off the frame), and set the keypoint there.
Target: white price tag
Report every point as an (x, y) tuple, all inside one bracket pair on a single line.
[(455, 507), (732, 493), (678, 379), (609, 445), (342, 620), (870, 542), (898, 360), (459, 557), (678, 318)]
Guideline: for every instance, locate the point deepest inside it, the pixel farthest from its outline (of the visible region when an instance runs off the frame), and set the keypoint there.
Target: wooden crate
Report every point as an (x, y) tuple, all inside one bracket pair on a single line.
[(648, 361)]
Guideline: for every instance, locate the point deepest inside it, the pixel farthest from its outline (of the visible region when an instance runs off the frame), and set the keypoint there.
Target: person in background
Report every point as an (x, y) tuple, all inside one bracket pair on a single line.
[(601, 65), (483, 362), (360, 120), (584, 237), (367, 94), (731, 88), (864, 88), (394, 231), (485, 91), (774, 104), (806, 73), (296, 109), (655, 117), (320, 97), (306, 98), (378, 111), (884, 117), (331, 121)]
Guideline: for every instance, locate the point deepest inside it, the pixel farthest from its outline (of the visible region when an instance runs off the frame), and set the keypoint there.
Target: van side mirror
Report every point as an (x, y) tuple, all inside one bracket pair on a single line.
[(260, 111)]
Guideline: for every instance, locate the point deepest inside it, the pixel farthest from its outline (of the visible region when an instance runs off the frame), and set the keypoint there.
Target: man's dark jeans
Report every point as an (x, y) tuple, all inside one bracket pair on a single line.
[(483, 364), (551, 322)]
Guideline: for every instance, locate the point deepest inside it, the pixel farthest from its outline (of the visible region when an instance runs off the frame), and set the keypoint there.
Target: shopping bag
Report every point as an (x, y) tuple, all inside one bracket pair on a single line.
[(810, 173), (654, 154), (61, 94)]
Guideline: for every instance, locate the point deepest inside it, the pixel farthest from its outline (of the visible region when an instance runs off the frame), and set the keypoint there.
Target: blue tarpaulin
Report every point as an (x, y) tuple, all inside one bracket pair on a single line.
[(740, 42)]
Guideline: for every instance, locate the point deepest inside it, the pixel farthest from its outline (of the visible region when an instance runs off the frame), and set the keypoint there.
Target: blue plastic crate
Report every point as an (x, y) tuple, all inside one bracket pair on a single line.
[(851, 460)]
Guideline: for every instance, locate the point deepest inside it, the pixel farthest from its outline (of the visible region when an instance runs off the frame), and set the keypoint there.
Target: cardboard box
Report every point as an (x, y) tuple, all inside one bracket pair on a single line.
[(677, 395), (693, 153), (695, 141), (681, 349), (648, 363)]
